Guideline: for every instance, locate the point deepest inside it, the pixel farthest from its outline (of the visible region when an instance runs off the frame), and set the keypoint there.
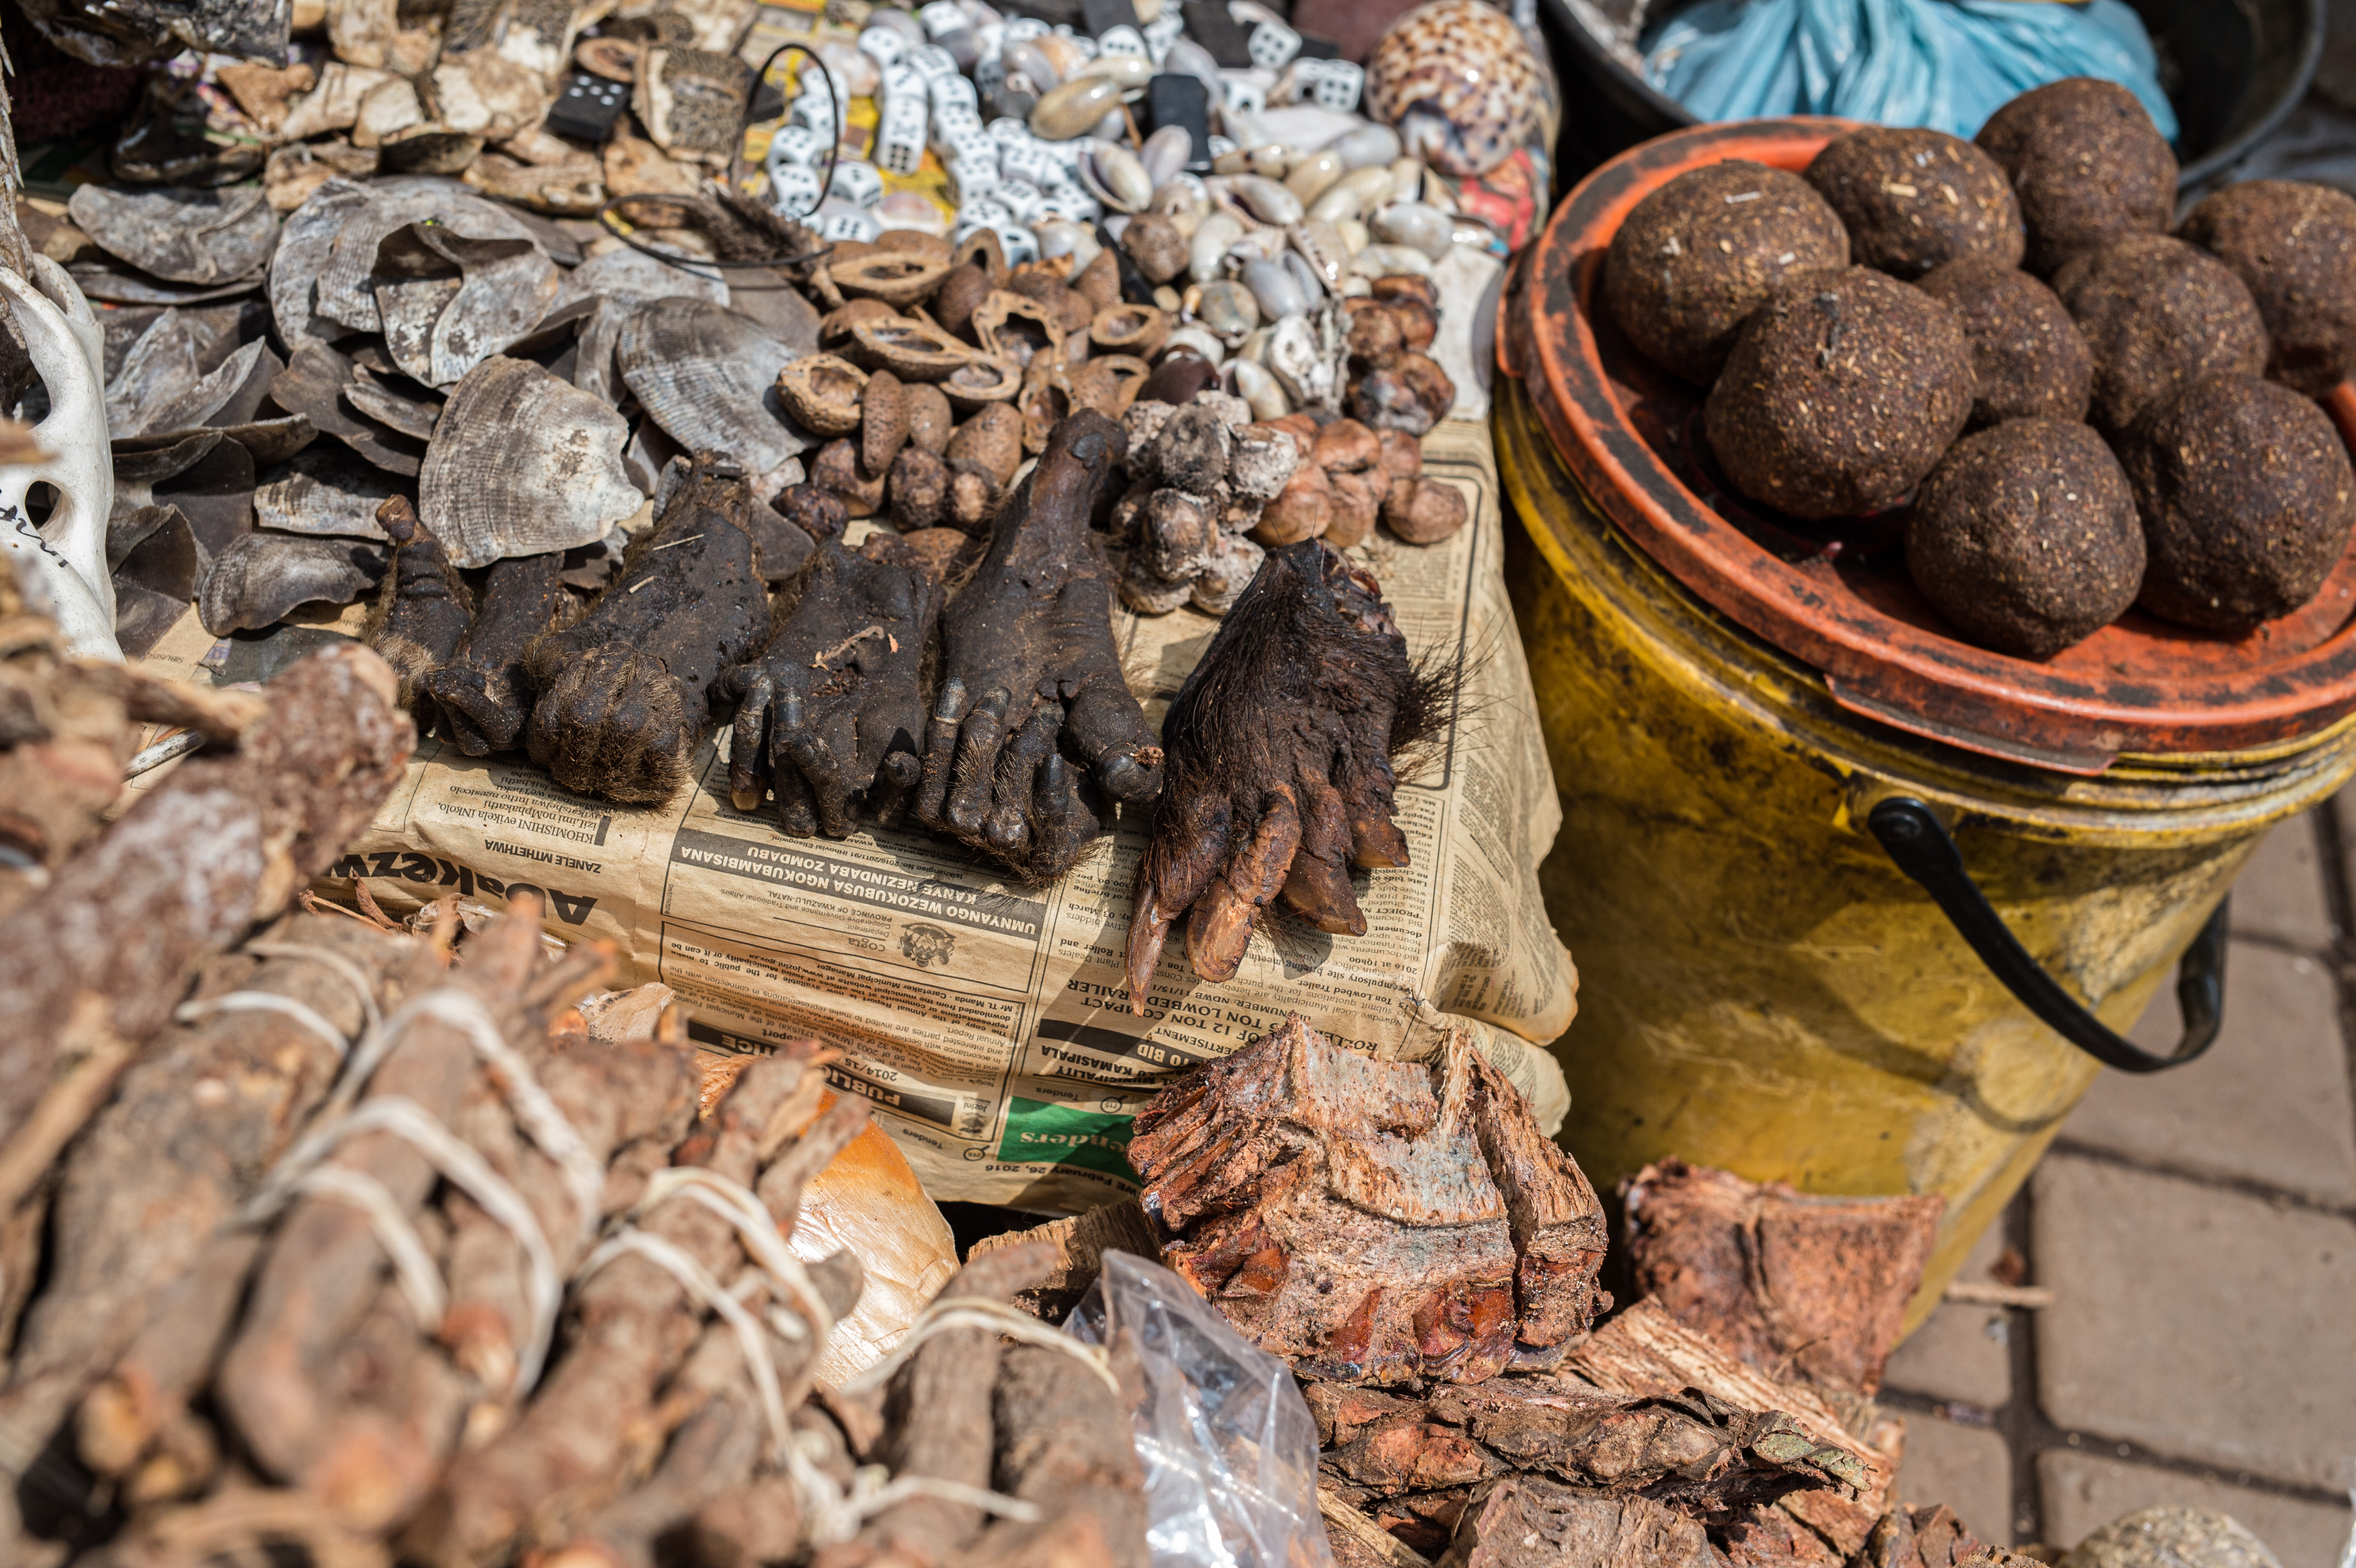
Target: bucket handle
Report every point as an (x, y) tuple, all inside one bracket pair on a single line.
[(1926, 851)]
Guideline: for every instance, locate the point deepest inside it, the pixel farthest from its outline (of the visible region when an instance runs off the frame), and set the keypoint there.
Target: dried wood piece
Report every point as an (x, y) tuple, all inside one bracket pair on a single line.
[(1529, 1522), (1374, 1221), (1064, 1443), (1080, 1242), (1794, 1285), (109, 948)]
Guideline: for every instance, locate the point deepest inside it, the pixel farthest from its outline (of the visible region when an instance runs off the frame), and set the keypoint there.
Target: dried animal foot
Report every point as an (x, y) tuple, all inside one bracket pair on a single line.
[(833, 706), (1280, 746), (481, 693), (1033, 722), (422, 613), (622, 692)]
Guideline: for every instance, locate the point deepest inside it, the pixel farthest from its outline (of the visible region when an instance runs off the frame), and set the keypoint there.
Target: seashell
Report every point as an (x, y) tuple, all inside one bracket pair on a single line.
[(259, 579), (1181, 198), (1257, 387), (620, 281), (1413, 224), (898, 278), (203, 237), (1116, 176), (412, 416), (1025, 55), (822, 392), (1312, 287), (911, 350), (1306, 375), (1197, 341), (1407, 180), (1368, 147), (1279, 293), (304, 242), (1387, 261), (345, 293), (1354, 237), (1354, 195), (1254, 347), (523, 464), (1321, 245), (1137, 329), (1460, 81), (1313, 176), (1065, 59), (327, 489), (447, 301), (907, 209), (312, 386), (1229, 309), (1062, 237), (707, 377), (1187, 57), (1075, 108), (1131, 73), (1266, 200), (1206, 252), (1165, 153)]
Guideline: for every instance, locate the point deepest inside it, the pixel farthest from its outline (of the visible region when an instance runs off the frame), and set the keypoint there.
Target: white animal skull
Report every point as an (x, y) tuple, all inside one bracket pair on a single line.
[(66, 555)]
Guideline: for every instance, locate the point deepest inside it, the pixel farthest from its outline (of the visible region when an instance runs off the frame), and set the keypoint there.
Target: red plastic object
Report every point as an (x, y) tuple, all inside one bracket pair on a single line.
[(1840, 599)]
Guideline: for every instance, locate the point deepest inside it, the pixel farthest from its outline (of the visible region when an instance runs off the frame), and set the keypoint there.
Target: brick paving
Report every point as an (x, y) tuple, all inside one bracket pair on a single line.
[(2199, 1230)]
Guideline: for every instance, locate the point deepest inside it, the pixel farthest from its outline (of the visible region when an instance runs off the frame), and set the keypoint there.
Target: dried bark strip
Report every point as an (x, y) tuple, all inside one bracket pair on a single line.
[(120, 932), (1080, 1242), (1794, 1285), (1529, 1522), (1064, 1443), (1375, 1221)]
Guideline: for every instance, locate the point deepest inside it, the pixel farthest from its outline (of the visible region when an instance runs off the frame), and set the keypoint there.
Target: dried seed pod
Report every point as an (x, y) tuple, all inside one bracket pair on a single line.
[(1136, 329), (1045, 399), (944, 552), (899, 278), (1406, 285), (982, 247), (1070, 310), (915, 242), (1155, 244), (980, 382), (1412, 394), (1418, 319), (911, 350), (930, 418), (1304, 510), (817, 511), (1227, 569), (1423, 511), (1263, 463), (1402, 454), (836, 469), (883, 424), (1193, 449), (974, 498), (822, 391), (991, 439), (1107, 383), (834, 327), (1015, 328), (919, 489), (1100, 281), (1175, 535), (1345, 446), (1179, 377), (1357, 502), (1374, 337), (964, 288), (1145, 594)]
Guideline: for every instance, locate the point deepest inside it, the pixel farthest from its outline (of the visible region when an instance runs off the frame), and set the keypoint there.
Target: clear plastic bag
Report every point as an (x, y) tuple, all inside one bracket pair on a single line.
[(1230, 1450)]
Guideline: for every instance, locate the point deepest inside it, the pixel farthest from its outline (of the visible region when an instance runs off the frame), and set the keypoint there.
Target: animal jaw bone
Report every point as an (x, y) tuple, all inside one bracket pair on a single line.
[(65, 558)]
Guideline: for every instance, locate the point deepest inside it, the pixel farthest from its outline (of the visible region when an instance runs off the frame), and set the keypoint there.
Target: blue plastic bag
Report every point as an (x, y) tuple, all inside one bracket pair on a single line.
[(1947, 64)]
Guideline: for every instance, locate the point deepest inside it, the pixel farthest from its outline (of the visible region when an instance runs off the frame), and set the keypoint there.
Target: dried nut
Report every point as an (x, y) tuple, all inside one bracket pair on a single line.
[(1145, 594), (1015, 328), (1345, 446), (615, 59), (932, 247), (817, 511), (822, 392), (953, 303), (1044, 402), (940, 550), (1107, 383), (1423, 511), (1174, 531), (834, 330), (974, 496), (1100, 281), (1153, 242), (1418, 323), (1357, 502), (835, 468), (920, 489), (1065, 306), (1407, 285), (1181, 374), (1374, 338), (982, 247), (980, 381), (883, 424), (930, 418), (1302, 510), (1194, 448), (898, 278), (1136, 329), (1412, 394), (1402, 454), (991, 440), (1262, 463), (911, 350)]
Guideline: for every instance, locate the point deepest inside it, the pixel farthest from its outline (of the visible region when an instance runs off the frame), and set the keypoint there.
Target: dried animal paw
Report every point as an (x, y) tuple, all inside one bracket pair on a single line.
[(834, 705), (1280, 749), (621, 702), (423, 611), (480, 695), (1033, 725)]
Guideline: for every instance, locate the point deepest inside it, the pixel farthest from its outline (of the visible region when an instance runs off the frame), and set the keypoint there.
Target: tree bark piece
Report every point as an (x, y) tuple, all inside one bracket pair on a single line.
[(222, 843), (1080, 1242), (1529, 1522), (1064, 1443), (1797, 1285), (1375, 1221)]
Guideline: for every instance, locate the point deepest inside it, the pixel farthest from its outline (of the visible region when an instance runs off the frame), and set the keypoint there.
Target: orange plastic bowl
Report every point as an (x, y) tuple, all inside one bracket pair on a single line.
[(1628, 432)]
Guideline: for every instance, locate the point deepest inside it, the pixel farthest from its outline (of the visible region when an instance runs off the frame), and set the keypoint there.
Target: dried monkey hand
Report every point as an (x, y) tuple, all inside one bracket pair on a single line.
[(1279, 751), (482, 695), (622, 691), (833, 706), (422, 612), (1034, 723)]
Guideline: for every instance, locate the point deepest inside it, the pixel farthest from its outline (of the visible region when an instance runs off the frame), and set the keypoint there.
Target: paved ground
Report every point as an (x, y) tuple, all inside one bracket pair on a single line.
[(2199, 1229)]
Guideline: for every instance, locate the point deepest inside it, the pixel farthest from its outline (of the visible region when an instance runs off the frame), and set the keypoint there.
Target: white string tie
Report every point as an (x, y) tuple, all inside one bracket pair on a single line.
[(412, 1266), (737, 1204), (835, 1515), (327, 958), (301, 1013), (976, 1312), (464, 1168), (697, 1281)]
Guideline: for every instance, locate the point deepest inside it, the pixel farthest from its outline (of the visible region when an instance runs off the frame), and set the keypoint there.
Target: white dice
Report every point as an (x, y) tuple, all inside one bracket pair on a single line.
[(1123, 41), (1022, 27), (1336, 84), (814, 112), (956, 94), (900, 135), (851, 223), (941, 18), (1030, 161), (1009, 131), (933, 61), (882, 44), (902, 80), (793, 190), (1020, 244), (1241, 92), (857, 182), (1020, 199), (969, 148), (1273, 46), (1163, 31), (986, 213), (971, 179), (795, 144), (1070, 201)]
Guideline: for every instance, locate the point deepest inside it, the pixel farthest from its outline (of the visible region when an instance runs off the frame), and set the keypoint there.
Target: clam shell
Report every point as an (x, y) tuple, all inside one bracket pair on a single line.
[(160, 365), (312, 386), (259, 579), (709, 377), (326, 489), (1115, 177), (347, 287), (1468, 73), (522, 464), (447, 302), (620, 281), (305, 244), (1267, 201), (412, 415), (1165, 153), (203, 237)]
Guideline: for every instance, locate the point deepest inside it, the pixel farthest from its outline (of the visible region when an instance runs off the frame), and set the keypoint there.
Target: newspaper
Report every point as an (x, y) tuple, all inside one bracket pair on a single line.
[(988, 1022)]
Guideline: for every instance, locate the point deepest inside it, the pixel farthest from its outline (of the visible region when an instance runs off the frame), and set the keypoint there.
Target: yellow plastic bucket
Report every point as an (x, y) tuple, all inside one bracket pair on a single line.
[(1762, 988)]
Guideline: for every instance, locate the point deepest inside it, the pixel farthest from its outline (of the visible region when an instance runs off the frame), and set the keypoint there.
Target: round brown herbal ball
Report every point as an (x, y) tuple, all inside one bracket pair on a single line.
[(1913, 199), (2025, 537), (2028, 359), (2087, 164), (2246, 496), (2157, 314), (1697, 255), (2295, 246), (1841, 392)]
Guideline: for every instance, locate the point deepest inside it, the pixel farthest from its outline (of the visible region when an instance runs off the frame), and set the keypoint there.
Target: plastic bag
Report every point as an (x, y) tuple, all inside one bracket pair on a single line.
[(1946, 64), (1229, 1447)]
